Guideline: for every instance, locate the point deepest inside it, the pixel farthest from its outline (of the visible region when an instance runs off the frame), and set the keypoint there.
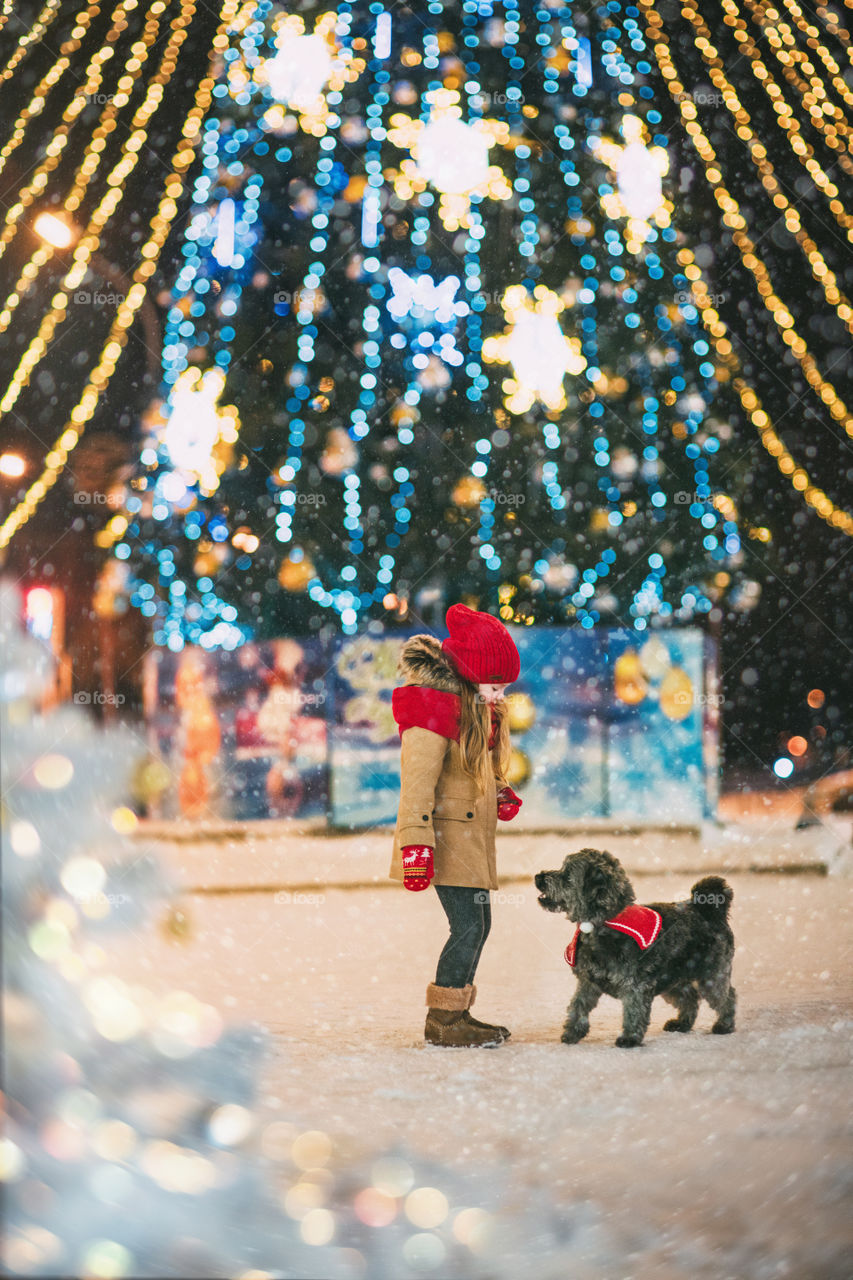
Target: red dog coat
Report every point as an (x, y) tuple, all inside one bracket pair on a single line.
[(643, 924)]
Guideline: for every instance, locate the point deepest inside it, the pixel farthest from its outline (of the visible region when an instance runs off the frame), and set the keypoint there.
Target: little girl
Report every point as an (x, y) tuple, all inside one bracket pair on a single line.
[(454, 756)]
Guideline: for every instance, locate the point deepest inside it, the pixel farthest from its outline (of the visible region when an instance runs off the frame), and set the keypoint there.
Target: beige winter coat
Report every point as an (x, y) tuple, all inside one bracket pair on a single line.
[(439, 803)]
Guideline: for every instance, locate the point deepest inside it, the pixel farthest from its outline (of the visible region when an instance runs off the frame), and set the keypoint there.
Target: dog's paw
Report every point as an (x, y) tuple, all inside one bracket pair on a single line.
[(722, 1029), (628, 1042), (572, 1037), (675, 1024)]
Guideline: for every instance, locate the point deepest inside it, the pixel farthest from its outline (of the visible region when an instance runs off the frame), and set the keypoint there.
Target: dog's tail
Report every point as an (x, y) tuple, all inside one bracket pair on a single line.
[(711, 897)]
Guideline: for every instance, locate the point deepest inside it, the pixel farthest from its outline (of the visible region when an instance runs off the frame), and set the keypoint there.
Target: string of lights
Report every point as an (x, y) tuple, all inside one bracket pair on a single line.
[(192, 436), (341, 454), (410, 295), (588, 300), (216, 243), (804, 152), (786, 118), (757, 152), (576, 223), (814, 41), (792, 128), (787, 52), (349, 600), (332, 58), (689, 424), (472, 266), (598, 274), (735, 221), (789, 120), (602, 276), (246, 76), (526, 238), (585, 299), (689, 409), (30, 38), (835, 28), (51, 78), (91, 84), (331, 44), (59, 223), (450, 153), (119, 332), (567, 41), (834, 516), (116, 180)]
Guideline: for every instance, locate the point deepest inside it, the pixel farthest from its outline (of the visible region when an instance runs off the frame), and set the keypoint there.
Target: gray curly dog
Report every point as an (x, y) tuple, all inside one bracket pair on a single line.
[(690, 958)]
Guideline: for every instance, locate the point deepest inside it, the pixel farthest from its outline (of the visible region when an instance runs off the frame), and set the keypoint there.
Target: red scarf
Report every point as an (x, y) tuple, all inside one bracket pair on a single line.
[(643, 924), (416, 706)]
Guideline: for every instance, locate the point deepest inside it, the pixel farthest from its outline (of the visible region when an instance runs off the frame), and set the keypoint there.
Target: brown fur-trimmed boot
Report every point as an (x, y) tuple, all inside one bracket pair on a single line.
[(487, 1026), (446, 1023)]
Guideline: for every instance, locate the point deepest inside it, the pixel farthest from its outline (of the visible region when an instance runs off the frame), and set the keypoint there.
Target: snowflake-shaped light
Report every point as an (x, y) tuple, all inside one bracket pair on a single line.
[(451, 155), (300, 70), (639, 169), (534, 344), (305, 66), (199, 431), (423, 306), (417, 295)]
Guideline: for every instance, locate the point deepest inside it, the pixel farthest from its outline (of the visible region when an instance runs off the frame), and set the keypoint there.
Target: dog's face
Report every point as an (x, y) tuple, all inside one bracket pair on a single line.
[(590, 885)]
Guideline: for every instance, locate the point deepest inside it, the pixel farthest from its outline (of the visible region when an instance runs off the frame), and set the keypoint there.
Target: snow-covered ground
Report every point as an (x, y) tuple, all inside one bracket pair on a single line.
[(296, 855), (695, 1156)]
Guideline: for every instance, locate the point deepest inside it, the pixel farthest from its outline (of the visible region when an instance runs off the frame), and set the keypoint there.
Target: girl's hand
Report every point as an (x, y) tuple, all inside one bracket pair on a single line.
[(508, 804), (418, 870)]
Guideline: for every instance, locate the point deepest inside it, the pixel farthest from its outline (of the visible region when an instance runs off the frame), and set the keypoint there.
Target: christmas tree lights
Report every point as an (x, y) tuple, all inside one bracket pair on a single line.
[(441, 275)]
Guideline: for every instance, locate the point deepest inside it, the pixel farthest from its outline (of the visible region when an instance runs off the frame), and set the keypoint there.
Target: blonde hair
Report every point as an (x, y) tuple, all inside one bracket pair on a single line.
[(478, 762)]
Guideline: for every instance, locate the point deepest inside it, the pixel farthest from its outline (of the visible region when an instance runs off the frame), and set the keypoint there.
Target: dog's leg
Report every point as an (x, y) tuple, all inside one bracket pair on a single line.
[(583, 1002), (636, 1011), (721, 997), (685, 997)]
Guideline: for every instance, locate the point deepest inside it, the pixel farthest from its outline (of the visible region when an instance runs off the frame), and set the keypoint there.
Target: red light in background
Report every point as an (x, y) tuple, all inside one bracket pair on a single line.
[(39, 612)]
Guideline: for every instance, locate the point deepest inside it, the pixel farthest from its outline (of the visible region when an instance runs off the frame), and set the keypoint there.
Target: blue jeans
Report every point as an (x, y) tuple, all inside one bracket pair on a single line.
[(469, 914)]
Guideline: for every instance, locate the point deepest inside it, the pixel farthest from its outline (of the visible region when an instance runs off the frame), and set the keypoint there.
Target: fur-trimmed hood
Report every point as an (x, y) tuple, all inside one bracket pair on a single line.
[(422, 662), (430, 696)]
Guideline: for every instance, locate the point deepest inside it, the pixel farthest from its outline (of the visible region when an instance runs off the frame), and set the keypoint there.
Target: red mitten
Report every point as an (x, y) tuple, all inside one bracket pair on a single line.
[(508, 804), (418, 870)]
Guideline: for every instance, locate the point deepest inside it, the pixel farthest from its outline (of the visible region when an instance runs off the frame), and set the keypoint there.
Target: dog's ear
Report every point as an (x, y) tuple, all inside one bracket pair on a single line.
[(596, 891), (605, 889)]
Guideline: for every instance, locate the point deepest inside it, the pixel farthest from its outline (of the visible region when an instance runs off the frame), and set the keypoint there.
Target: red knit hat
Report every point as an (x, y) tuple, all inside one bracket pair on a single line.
[(480, 647)]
